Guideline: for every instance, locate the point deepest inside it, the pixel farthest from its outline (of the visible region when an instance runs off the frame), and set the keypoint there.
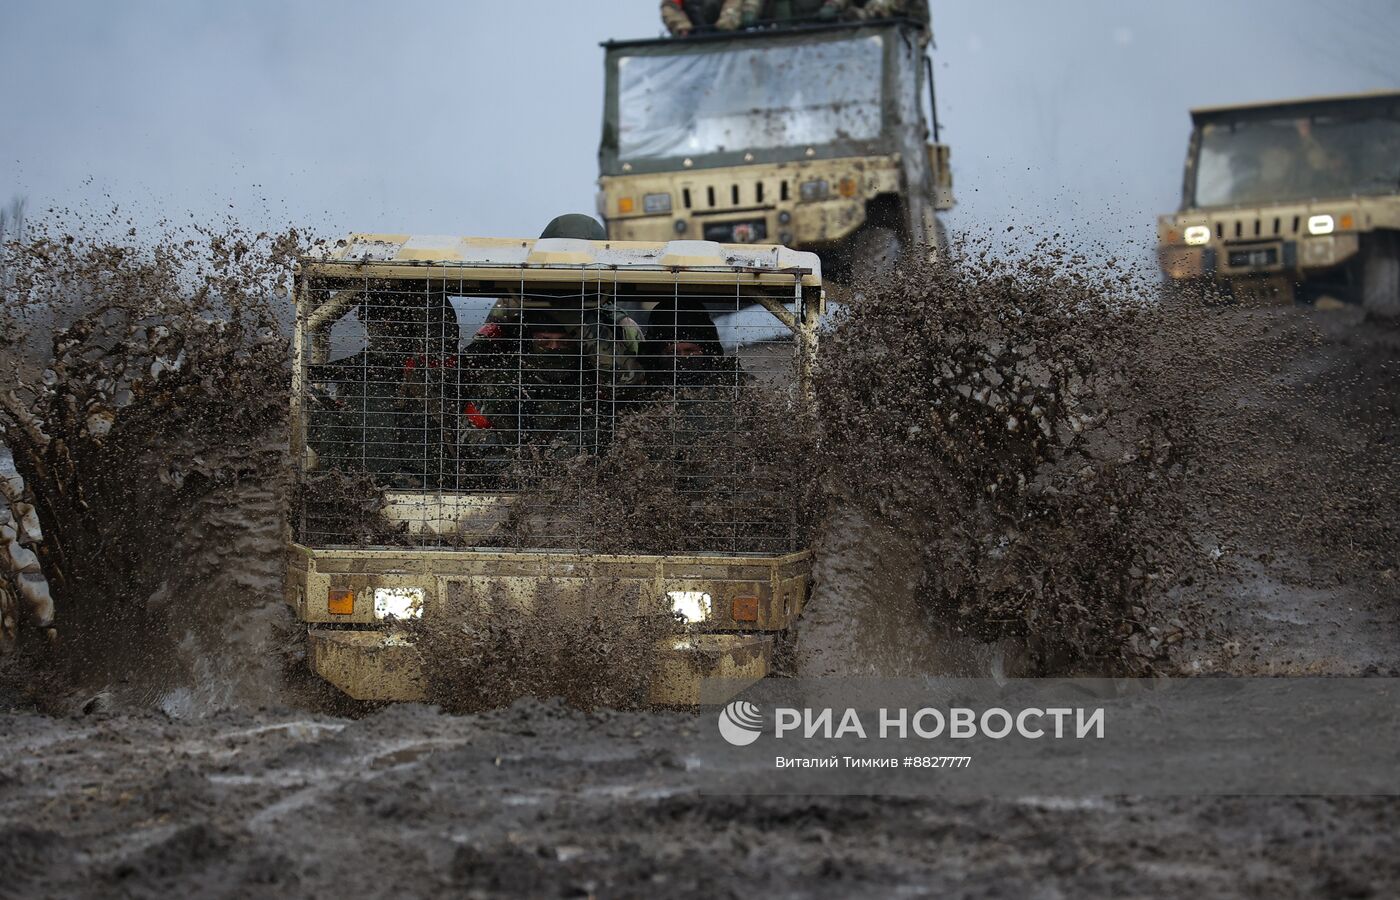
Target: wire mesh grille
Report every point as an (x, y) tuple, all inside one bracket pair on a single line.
[(603, 415)]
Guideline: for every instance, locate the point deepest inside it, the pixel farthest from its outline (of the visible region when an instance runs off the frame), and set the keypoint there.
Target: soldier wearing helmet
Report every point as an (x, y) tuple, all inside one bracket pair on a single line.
[(683, 347), (548, 371)]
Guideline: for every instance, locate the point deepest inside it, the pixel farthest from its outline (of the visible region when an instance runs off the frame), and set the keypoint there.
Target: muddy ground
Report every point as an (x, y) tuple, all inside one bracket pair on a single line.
[(541, 801), (99, 797)]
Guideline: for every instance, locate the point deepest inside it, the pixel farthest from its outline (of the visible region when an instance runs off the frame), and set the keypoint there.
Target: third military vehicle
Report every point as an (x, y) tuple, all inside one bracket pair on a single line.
[(810, 136), (1298, 199)]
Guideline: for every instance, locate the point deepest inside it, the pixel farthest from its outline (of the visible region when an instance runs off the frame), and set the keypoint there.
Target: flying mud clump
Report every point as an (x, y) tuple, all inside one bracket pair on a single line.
[(144, 401), (1007, 414)]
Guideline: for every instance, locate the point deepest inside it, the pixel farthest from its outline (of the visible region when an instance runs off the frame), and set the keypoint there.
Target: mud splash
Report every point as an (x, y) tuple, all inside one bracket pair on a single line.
[(577, 643), (670, 480), (1009, 424), (144, 401), (1041, 454), (738, 476)]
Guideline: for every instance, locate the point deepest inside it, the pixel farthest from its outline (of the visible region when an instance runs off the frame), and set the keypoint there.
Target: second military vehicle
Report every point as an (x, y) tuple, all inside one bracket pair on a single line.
[(1298, 199), (814, 137)]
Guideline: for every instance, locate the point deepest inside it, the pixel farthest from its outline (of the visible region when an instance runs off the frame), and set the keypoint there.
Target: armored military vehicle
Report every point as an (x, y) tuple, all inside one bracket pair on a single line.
[(1298, 199), (442, 384), (815, 137)]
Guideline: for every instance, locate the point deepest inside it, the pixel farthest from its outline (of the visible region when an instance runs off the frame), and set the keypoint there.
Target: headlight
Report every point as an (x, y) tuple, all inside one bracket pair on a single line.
[(692, 606), (1197, 235), (400, 603), (1321, 225), (656, 203), (814, 190)]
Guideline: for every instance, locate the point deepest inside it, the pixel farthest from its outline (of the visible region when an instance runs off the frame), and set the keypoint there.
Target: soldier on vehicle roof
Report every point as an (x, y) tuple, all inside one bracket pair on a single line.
[(801, 10), (870, 10), (849, 10), (686, 17)]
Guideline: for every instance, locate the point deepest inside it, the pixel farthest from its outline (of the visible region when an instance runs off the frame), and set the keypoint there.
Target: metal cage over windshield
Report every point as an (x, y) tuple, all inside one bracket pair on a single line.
[(507, 406)]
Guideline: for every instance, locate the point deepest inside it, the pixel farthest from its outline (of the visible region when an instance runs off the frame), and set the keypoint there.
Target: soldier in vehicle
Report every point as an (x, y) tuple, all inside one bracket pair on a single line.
[(577, 226), (683, 348), (547, 374), (389, 409), (688, 369), (686, 17), (699, 403), (546, 377)]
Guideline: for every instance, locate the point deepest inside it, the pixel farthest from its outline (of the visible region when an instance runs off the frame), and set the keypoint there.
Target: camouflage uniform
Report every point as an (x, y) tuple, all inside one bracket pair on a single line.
[(554, 398), (801, 10), (515, 394), (848, 10), (913, 10), (869, 10), (683, 17), (702, 386), (392, 409)]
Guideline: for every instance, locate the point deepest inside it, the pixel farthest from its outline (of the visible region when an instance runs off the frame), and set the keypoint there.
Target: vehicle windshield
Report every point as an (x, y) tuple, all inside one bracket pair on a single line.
[(749, 98), (1285, 160)]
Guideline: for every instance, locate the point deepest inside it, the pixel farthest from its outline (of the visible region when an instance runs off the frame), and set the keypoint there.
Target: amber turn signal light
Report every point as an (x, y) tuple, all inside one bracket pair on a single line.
[(745, 609), (342, 603)]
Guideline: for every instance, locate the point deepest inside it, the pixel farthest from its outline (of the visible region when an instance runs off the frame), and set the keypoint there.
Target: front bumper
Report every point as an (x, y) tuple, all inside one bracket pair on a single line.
[(750, 599), (747, 592), (1230, 259), (761, 198), (385, 666)]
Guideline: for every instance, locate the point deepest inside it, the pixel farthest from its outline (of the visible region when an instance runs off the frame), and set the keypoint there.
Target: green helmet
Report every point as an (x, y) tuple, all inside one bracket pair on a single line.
[(577, 226)]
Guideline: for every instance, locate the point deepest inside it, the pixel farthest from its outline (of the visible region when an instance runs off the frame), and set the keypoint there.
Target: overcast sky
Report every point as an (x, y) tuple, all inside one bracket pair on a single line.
[(477, 117)]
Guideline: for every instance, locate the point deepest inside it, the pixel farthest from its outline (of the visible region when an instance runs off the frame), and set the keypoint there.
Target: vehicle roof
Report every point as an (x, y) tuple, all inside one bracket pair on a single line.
[(757, 34), (1300, 104), (406, 250)]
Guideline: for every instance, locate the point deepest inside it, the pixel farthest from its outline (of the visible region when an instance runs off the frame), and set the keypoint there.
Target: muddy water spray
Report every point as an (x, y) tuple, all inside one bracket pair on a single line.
[(145, 402), (1005, 423)]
